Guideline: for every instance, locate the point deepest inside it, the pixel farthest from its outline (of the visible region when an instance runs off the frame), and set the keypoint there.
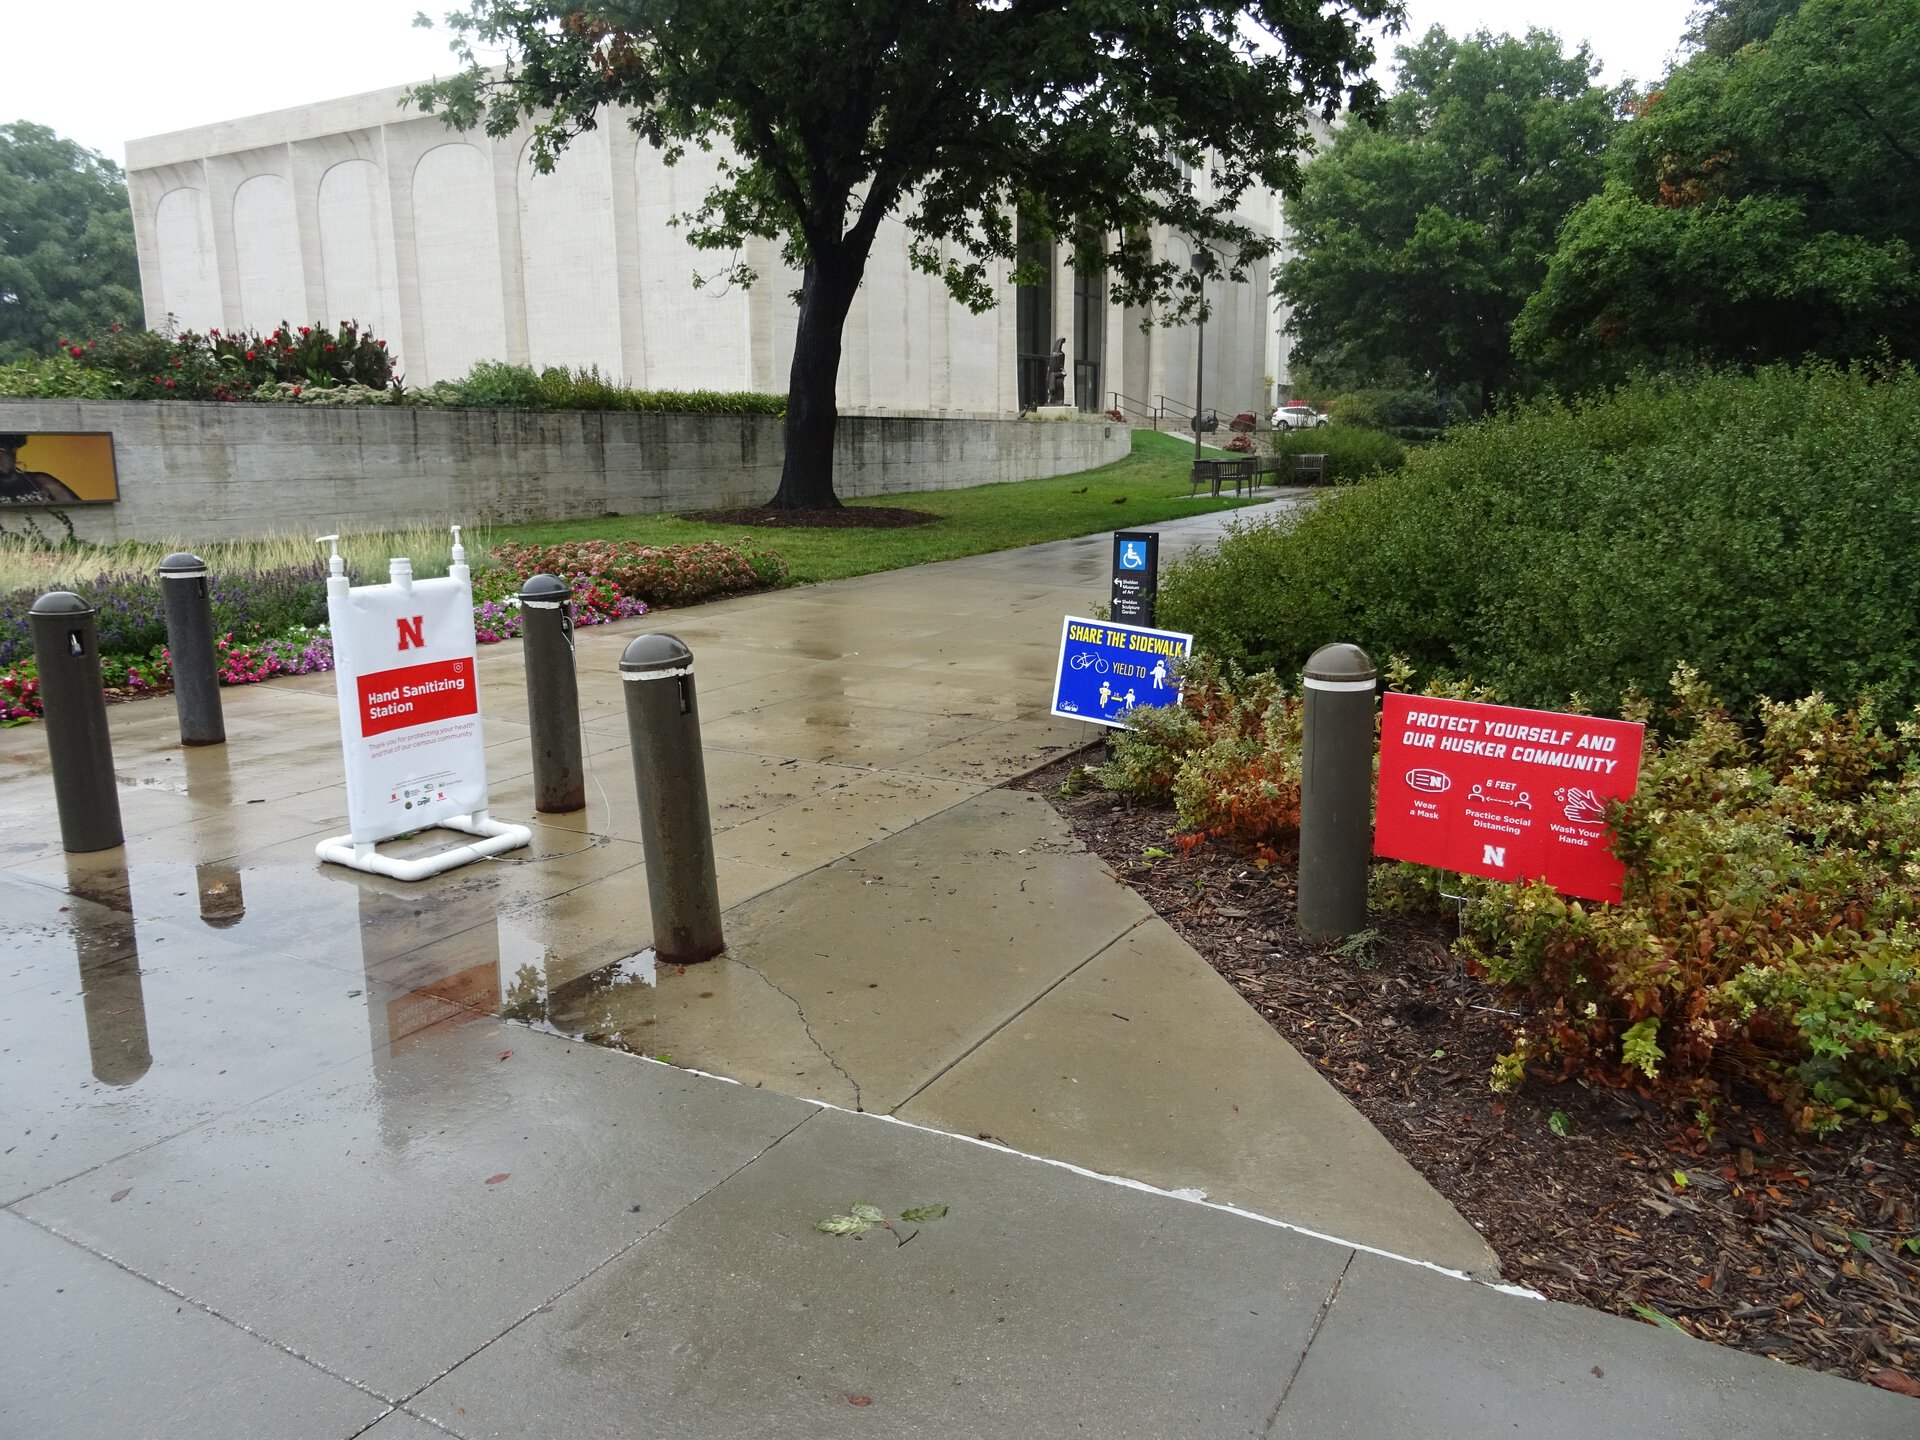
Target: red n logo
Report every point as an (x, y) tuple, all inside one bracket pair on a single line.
[(410, 631)]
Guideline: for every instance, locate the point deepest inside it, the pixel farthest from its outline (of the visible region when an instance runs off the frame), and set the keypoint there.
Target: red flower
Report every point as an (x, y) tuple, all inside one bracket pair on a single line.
[(306, 329), (214, 333), (381, 343), (250, 354), (75, 351), (296, 389), (329, 349)]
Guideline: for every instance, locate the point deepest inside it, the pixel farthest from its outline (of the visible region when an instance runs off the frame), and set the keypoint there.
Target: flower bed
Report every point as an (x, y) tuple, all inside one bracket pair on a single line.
[(273, 622)]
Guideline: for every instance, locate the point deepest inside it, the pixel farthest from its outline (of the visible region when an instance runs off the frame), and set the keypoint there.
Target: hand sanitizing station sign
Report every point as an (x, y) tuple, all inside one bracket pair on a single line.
[(405, 665)]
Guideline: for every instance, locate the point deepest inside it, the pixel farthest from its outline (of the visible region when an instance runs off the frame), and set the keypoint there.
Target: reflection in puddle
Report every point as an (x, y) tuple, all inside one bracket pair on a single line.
[(108, 953), (222, 900), (583, 1008)]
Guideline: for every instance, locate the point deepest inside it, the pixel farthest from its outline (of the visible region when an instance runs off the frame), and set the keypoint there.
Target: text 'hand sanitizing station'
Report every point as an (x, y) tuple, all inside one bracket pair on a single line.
[(405, 661)]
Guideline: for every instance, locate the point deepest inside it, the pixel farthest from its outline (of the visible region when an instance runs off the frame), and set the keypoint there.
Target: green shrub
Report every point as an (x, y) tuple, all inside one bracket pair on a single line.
[(495, 385), (1352, 454), (313, 365), (126, 364), (1763, 527), (1228, 757), (1387, 408), (1768, 930), (656, 574)]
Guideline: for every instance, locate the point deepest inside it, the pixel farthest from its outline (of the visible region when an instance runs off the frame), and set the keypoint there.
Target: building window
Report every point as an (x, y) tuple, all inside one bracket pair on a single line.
[(1089, 333), (1033, 317)]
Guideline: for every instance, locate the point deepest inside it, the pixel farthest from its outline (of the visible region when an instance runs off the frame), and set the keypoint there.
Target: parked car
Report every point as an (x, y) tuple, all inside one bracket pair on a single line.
[(1298, 417)]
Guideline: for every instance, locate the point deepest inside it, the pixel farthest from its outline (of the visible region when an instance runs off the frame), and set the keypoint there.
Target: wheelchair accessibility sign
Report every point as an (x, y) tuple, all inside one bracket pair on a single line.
[(1106, 669), (1133, 554)]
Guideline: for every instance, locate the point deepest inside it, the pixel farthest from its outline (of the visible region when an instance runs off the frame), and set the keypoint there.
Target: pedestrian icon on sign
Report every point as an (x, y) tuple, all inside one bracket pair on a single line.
[(1133, 554)]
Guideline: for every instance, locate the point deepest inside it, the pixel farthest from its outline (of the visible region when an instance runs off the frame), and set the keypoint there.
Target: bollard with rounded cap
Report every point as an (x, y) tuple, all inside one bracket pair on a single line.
[(1336, 791), (196, 674), (663, 728), (553, 694), (67, 654)]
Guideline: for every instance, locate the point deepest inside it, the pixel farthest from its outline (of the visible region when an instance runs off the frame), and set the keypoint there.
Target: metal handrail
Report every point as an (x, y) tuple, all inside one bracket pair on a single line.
[(1127, 405)]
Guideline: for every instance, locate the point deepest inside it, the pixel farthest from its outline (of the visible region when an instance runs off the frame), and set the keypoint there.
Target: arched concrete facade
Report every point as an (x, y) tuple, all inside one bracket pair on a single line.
[(455, 250)]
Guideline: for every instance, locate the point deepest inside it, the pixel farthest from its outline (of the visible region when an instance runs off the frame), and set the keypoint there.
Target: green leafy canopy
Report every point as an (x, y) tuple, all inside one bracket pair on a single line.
[(66, 242), (1418, 241), (1763, 205), (1087, 118)]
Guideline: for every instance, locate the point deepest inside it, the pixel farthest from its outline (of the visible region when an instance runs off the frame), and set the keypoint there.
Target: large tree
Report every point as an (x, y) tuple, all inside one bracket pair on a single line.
[(1416, 243), (1083, 118), (66, 242), (1725, 27), (1765, 205)]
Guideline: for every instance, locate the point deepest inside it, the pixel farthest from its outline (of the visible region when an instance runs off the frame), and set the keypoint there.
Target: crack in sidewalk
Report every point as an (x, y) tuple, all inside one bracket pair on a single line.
[(1326, 1308), (805, 1024)]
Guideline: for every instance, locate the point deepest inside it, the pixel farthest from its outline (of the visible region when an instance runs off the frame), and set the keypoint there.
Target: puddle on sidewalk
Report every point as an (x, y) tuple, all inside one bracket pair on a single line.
[(719, 1016)]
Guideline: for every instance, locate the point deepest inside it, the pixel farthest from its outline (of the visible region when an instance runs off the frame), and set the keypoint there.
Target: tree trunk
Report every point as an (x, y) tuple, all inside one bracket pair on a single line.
[(813, 412)]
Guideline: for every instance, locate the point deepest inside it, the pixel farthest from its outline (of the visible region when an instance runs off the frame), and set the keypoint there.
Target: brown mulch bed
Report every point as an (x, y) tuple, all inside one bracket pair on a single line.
[(844, 517), (1751, 1236)]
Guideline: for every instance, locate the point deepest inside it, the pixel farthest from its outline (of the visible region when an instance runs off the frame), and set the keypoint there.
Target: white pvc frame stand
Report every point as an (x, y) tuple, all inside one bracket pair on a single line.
[(495, 836), (496, 839)]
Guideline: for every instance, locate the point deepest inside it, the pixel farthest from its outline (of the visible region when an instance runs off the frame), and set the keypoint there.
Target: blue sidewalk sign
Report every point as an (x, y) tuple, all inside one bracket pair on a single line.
[(1107, 668)]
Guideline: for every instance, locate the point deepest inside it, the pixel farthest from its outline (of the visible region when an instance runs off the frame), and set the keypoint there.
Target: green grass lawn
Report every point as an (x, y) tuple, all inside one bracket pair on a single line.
[(1149, 485)]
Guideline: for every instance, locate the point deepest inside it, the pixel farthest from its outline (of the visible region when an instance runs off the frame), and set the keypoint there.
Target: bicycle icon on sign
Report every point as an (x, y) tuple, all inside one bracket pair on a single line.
[(1083, 661)]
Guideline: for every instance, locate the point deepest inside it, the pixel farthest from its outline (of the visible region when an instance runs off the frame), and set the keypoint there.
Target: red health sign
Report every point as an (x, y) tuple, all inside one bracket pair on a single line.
[(1509, 794), (416, 695)]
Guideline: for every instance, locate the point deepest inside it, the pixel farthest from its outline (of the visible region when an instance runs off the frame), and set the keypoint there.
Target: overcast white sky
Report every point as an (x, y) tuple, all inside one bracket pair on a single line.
[(120, 69)]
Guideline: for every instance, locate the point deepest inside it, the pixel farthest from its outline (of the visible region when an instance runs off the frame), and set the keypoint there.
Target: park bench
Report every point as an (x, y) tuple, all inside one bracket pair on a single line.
[(1216, 473)]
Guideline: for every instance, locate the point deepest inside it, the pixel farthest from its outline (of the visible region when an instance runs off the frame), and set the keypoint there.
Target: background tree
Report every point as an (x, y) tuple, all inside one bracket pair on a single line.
[(1417, 243), (1084, 117), (1724, 27), (66, 242), (1764, 205)]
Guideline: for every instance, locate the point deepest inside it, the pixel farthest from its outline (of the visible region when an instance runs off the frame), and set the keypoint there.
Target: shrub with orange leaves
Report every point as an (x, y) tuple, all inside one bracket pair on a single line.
[(1228, 757)]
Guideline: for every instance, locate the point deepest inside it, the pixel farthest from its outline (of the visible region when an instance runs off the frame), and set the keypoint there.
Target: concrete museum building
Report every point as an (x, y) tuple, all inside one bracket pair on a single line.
[(455, 250)]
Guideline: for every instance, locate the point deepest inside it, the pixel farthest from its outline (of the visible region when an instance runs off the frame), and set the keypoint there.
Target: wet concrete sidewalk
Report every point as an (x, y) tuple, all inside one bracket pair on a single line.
[(272, 1164)]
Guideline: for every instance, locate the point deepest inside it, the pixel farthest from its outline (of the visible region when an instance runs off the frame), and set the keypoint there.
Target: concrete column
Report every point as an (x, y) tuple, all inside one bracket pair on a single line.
[(401, 147), (507, 155), (624, 151), (303, 170), (224, 174)]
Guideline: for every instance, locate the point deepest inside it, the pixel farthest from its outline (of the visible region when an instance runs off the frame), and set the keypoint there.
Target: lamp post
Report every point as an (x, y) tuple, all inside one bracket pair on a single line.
[(1202, 261)]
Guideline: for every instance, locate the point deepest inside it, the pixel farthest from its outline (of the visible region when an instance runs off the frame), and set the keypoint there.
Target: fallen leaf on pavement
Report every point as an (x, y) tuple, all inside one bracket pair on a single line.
[(120, 1195), (1897, 1381), (496, 1179)]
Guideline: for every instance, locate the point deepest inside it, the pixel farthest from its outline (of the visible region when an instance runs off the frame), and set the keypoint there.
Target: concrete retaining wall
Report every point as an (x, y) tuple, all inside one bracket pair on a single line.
[(212, 471)]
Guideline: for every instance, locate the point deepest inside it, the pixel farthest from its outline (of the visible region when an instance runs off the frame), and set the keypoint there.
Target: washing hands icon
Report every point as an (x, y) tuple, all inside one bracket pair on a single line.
[(1582, 805)]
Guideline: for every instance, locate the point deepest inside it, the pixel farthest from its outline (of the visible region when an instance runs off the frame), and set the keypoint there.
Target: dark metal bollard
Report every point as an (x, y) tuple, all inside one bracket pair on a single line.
[(196, 676), (67, 652), (663, 726), (553, 694), (1336, 791)]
